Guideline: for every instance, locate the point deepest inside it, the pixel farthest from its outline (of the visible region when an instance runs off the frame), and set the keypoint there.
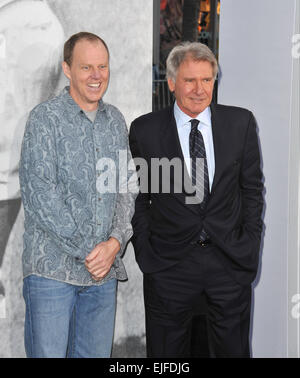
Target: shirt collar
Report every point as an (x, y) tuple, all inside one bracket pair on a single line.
[(72, 106), (182, 118)]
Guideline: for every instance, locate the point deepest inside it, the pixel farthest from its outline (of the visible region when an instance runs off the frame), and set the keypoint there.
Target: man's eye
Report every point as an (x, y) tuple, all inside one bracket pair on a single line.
[(85, 68)]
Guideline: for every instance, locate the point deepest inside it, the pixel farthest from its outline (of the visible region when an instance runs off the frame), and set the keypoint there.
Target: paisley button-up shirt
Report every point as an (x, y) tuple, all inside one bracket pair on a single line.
[(70, 172)]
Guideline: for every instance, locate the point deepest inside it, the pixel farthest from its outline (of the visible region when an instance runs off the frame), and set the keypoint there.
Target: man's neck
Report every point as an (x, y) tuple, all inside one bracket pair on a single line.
[(85, 106)]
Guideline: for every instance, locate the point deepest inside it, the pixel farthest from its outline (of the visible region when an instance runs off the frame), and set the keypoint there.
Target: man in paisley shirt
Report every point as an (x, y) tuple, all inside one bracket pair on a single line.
[(74, 234), (31, 37)]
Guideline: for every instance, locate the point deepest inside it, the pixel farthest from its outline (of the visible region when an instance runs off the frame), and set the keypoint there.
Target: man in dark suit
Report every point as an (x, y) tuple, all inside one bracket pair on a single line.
[(202, 243)]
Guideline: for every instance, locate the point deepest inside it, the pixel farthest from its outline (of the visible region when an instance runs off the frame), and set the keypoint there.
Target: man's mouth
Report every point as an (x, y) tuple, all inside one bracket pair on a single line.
[(198, 100), (96, 85)]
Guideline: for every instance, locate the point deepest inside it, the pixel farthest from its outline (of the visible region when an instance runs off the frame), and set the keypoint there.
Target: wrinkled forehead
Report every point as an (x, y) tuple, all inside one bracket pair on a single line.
[(27, 23)]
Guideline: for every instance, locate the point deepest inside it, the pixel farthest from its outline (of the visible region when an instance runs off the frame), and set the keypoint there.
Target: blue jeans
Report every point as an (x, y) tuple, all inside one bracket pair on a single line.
[(64, 320)]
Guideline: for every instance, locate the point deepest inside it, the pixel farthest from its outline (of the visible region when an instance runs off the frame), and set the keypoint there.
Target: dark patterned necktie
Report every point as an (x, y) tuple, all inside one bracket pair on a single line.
[(199, 170)]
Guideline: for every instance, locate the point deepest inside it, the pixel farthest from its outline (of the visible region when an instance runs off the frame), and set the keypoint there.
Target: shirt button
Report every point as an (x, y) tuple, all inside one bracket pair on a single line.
[(97, 149), (99, 199)]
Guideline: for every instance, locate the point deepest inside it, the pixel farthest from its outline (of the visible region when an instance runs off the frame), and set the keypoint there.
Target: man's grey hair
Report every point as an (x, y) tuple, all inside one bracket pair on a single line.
[(189, 50)]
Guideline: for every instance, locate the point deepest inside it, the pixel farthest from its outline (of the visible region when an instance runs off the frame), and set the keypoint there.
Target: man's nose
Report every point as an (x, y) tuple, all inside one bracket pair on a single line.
[(96, 74), (198, 87)]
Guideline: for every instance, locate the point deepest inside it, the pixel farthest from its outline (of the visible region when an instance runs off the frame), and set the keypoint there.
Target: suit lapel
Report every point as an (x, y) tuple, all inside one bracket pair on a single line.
[(220, 140), (169, 136), (171, 148)]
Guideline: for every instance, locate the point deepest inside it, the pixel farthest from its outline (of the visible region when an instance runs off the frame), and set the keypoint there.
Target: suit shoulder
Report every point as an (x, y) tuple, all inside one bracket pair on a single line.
[(233, 111), (153, 118)]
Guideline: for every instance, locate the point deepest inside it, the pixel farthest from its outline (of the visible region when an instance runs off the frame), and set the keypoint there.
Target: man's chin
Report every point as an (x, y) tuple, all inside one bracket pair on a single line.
[(193, 112), (94, 99)]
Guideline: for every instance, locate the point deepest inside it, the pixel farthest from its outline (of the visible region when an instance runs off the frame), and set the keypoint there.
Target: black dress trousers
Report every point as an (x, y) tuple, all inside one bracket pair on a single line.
[(172, 295)]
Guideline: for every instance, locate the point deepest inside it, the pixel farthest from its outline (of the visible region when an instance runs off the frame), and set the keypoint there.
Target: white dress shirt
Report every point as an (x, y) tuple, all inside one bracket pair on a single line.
[(184, 128)]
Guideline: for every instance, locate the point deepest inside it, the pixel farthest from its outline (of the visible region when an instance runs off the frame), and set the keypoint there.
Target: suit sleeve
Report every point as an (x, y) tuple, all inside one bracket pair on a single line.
[(251, 184), (140, 220)]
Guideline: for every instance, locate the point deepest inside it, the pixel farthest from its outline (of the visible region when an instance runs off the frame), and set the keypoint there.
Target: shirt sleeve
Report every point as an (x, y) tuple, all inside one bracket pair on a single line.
[(125, 202), (42, 195)]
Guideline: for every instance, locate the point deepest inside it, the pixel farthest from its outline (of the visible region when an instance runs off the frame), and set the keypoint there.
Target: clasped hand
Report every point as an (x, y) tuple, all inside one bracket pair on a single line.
[(99, 261)]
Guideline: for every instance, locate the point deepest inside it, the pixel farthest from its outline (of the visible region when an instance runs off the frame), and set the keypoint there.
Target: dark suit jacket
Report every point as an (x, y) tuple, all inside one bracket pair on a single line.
[(164, 225)]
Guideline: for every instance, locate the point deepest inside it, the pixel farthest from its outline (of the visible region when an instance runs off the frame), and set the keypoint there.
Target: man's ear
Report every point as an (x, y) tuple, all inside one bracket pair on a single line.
[(66, 69), (171, 85)]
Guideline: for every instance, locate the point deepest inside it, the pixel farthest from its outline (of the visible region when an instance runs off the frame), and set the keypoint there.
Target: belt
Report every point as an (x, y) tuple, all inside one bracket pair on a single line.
[(202, 243)]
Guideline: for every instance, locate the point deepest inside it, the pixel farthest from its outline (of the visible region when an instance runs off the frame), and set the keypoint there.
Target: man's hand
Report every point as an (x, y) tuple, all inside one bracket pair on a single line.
[(99, 261)]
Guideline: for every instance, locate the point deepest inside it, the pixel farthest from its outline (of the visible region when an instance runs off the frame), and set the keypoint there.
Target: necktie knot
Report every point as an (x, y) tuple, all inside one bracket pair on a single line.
[(195, 124)]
